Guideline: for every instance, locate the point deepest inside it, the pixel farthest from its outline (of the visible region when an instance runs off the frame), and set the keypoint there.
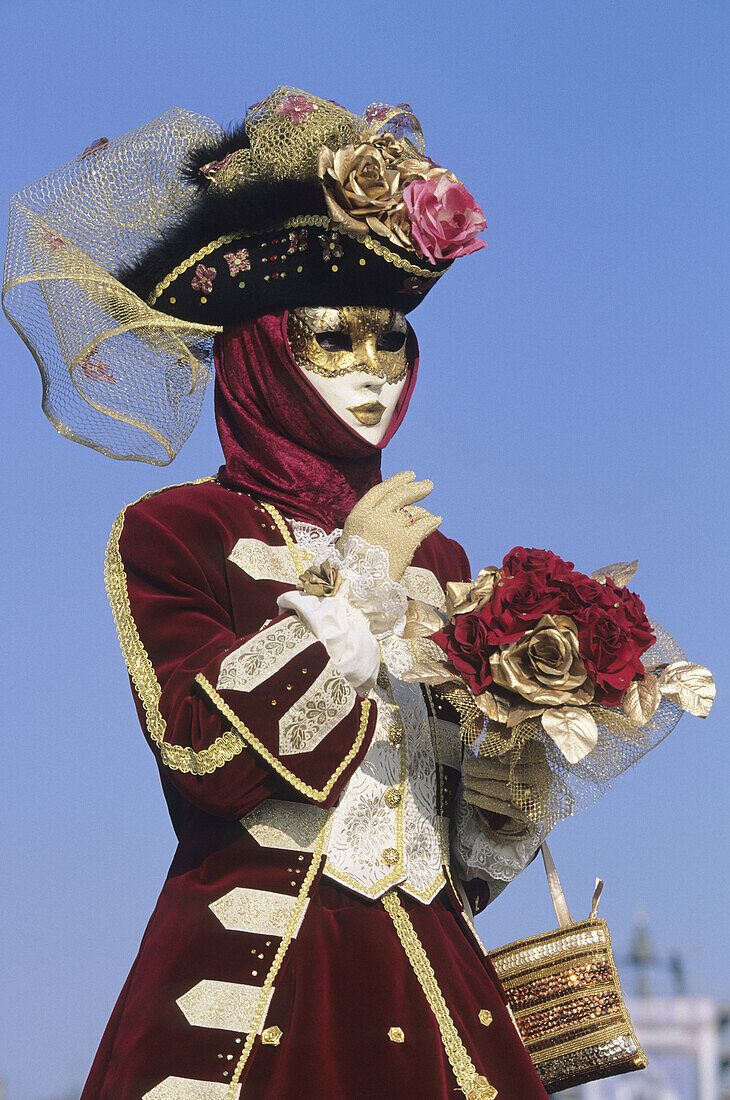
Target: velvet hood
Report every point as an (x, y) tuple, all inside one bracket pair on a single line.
[(281, 442)]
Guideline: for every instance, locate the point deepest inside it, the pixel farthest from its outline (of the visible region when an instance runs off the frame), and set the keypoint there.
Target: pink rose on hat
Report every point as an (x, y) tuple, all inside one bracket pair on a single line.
[(444, 217)]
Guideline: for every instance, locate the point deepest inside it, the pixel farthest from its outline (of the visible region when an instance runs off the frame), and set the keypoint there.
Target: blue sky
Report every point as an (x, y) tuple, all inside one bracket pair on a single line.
[(573, 395)]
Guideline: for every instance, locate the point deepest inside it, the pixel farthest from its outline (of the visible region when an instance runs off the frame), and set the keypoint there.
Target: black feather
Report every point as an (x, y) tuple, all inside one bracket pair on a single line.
[(234, 138)]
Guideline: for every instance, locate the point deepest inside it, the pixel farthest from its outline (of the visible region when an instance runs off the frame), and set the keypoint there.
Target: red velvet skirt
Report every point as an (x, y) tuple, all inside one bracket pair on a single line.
[(345, 988)]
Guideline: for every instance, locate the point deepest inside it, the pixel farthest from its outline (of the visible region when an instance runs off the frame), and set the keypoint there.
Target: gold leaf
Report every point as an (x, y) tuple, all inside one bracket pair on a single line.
[(494, 706), (430, 672), (422, 620), (620, 572), (641, 700), (573, 729), (457, 596), (520, 713), (690, 686)]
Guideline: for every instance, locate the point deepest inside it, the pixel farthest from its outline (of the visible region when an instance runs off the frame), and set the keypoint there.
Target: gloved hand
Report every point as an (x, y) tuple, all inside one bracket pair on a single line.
[(386, 517), (486, 787)]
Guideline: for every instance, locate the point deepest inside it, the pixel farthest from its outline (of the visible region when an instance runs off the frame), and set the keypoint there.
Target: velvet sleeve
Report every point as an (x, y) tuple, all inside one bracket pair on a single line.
[(232, 718)]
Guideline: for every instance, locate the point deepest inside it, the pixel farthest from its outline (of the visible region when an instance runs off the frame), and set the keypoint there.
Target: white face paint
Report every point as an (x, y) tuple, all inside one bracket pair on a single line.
[(355, 359)]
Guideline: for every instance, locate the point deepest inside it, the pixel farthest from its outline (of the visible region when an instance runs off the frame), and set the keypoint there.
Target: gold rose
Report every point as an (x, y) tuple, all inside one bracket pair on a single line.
[(545, 666), (363, 185), (321, 580)]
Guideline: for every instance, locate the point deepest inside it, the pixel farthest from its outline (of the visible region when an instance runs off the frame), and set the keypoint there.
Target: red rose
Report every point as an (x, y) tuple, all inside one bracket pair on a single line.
[(579, 592), (518, 603), (521, 560), (633, 614), (611, 657), (466, 643)]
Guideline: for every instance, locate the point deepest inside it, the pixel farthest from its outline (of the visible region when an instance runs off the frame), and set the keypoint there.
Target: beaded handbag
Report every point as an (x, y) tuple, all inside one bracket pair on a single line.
[(564, 991)]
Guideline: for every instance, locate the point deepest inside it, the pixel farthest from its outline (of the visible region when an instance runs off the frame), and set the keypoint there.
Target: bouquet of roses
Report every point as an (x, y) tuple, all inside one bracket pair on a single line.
[(536, 651)]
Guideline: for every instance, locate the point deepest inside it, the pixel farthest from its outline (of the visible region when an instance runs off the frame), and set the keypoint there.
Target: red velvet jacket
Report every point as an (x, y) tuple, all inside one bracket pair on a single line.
[(257, 976)]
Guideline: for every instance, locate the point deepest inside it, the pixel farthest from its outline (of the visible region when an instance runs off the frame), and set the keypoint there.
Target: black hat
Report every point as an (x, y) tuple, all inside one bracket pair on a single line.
[(303, 203)]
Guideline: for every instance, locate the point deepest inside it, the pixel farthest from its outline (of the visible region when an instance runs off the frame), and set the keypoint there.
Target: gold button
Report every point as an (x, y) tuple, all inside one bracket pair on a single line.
[(485, 1017), (396, 1035), (390, 856), (271, 1036), (395, 736), (392, 797)]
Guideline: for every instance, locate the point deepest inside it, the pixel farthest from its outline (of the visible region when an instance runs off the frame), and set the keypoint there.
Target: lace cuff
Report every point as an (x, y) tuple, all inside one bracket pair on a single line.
[(367, 585), (481, 853)]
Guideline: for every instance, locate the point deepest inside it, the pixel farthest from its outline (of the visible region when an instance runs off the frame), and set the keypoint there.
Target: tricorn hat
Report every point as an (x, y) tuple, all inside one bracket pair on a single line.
[(123, 265), (305, 203)]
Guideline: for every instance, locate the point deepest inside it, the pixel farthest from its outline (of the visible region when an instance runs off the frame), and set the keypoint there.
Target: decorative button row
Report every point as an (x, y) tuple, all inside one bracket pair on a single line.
[(390, 856), (392, 797)]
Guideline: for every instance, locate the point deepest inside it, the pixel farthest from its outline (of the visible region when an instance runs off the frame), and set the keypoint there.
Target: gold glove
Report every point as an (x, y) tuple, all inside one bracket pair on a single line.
[(386, 517), (487, 786)]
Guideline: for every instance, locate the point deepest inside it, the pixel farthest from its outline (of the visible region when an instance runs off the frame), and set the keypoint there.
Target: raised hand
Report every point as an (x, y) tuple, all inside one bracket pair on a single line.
[(386, 516)]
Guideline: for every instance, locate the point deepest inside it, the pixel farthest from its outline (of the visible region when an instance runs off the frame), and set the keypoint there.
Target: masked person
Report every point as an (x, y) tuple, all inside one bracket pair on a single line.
[(314, 936)]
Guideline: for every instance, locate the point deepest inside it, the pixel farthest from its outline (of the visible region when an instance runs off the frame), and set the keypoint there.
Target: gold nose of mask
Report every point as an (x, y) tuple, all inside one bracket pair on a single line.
[(330, 342)]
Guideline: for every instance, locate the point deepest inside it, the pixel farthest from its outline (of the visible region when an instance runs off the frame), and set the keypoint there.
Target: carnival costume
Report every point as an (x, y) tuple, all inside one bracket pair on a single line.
[(314, 937)]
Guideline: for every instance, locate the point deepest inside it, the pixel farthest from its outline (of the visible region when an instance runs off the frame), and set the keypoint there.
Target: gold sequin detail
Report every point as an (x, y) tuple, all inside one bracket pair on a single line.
[(485, 1017), (285, 533), (396, 1035), (293, 223), (469, 1080), (302, 899)]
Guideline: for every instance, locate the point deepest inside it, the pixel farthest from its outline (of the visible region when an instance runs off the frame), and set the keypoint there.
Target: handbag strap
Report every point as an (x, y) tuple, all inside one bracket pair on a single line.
[(556, 890)]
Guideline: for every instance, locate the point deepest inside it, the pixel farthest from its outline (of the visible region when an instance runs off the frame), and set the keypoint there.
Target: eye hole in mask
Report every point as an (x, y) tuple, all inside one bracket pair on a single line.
[(342, 341)]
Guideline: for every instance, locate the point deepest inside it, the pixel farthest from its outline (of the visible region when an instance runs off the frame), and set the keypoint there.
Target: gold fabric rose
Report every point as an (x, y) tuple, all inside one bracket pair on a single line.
[(465, 596), (545, 666), (360, 186), (363, 185), (324, 580)]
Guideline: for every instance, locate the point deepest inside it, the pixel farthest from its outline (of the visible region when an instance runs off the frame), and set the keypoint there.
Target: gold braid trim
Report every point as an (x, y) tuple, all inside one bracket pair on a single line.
[(253, 742), (286, 535), (286, 939), (177, 757), (471, 1083), (320, 220)]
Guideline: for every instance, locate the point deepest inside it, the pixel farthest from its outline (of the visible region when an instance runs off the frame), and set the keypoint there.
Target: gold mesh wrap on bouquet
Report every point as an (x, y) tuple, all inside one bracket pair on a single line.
[(547, 795), (117, 375)]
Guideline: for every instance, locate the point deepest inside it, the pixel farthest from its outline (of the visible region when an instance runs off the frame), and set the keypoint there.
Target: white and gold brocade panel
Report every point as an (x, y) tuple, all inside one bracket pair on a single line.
[(311, 717), (263, 562), (290, 826), (263, 912), (386, 827), (185, 1088), (262, 656), (230, 1006)]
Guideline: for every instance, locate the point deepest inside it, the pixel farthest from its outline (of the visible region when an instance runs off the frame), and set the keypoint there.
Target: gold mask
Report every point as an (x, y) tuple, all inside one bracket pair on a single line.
[(331, 342)]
